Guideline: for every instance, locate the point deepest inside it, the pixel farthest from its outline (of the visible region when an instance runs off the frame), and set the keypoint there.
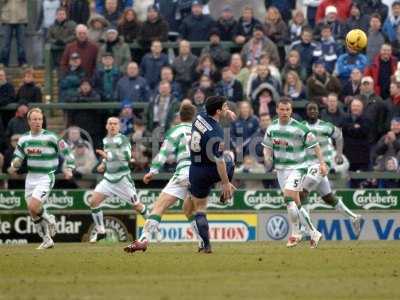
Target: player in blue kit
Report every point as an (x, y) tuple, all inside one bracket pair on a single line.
[(210, 163)]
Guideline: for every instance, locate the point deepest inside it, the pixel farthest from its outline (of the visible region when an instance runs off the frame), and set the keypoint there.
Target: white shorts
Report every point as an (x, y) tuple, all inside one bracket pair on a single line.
[(177, 186), (290, 179), (314, 181), (123, 189), (38, 186)]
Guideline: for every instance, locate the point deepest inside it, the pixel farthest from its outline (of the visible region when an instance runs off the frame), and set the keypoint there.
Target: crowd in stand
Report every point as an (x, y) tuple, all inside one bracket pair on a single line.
[(297, 50)]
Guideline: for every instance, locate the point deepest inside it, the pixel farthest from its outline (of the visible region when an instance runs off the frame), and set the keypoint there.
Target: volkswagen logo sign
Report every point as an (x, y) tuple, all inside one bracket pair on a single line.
[(277, 227)]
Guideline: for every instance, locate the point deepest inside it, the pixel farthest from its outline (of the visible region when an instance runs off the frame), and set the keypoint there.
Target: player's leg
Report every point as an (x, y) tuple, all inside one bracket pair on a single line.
[(188, 210), (324, 189), (126, 190), (200, 217), (97, 215)]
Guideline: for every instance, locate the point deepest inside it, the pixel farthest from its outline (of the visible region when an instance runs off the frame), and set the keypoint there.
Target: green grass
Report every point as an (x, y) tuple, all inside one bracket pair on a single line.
[(336, 270)]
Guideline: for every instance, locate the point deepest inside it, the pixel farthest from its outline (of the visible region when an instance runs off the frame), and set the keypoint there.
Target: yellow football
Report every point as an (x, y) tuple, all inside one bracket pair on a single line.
[(356, 40)]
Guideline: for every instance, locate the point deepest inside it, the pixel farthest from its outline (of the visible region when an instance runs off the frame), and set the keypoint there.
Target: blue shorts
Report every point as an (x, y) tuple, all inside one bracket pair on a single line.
[(203, 178)]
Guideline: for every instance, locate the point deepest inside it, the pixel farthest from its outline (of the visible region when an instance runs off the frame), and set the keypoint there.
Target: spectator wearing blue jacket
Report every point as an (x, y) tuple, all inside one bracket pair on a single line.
[(243, 130), (152, 63), (132, 86), (392, 22), (349, 61), (330, 48), (122, 4), (309, 50), (229, 87), (197, 26)]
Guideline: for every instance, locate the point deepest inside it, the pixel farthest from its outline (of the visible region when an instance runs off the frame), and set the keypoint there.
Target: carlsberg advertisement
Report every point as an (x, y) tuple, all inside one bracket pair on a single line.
[(78, 200)]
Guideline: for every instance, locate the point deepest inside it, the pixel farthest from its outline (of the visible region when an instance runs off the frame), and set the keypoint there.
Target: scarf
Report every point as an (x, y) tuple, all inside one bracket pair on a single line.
[(111, 45)]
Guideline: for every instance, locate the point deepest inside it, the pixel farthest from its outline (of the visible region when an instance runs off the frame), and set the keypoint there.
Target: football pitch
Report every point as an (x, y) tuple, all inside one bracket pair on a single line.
[(256, 270)]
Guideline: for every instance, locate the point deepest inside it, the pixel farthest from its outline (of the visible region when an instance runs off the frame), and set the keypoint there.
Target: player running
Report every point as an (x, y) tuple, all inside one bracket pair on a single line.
[(285, 142), (41, 148), (209, 163), (314, 180), (176, 142), (117, 179)]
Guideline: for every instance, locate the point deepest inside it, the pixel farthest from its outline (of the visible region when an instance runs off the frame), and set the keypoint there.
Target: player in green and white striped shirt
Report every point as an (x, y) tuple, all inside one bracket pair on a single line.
[(176, 142), (285, 142), (313, 180), (117, 179), (41, 149)]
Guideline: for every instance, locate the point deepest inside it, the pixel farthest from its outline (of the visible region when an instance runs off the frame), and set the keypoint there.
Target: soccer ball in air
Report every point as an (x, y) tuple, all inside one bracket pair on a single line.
[(356, 40)]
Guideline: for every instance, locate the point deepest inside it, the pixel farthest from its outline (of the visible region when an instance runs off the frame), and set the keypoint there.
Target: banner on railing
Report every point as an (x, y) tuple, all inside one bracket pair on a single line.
[(373, 199)]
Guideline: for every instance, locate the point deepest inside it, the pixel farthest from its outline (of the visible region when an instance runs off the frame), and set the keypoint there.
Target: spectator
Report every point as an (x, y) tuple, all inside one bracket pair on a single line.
[(342, 7), (78, 10), (312, 6), (356, 143), (87, 119), (330, 48), (152, 63), (276, 29), (264, 121), (250, 166), (7, 92), (226, 24), (309, 50), (263, 75), (375, 110), (73, 136), (296, 25), (47, 15), (243, 130), (356, 20), (206, 67), (184, 65), (154, 28), (8, 157), (28, 91), (352, 86), (163, 107), (18, 124), (14, 18), (284, 7), (333, 112), (369, 7), (264, 99), (273, 70), (119, 49), (245, 26), (293, 87), (71, 79), (331, 20), (376, 38), (347, 62), (383, 66), (293, 64), (392, 22), (132, 86), (197, 26), (394, 100), (126, 118), (129, 26), (391, 165), (106, 77), (198, 97), (97, 25), (111, 12), (229, 87), (60, 33), (121, 5), (239, 70), (86, 49), (218, 53), (260, 44), (167, 74), (389, 144), (170, 12), (85, 162), (321, 83)]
